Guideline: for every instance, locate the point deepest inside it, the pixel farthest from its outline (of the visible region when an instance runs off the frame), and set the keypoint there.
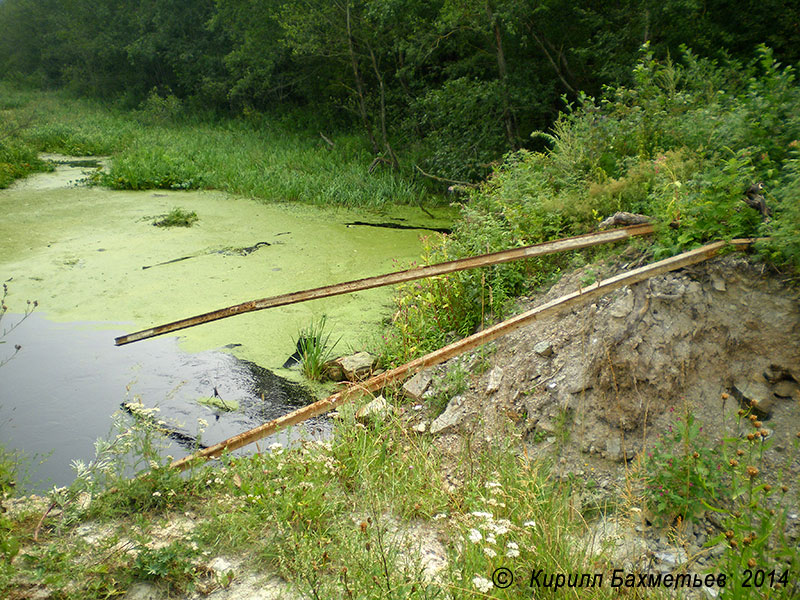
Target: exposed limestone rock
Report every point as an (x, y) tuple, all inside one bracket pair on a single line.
[(631, 362), (333, 370), (776, 373), (451, 417), (786, 389), (623, 305), (544, 349), (624, 218), (416, 386), (495, 379), (143, 590), (756, 395), (378, 408), (357, 367)]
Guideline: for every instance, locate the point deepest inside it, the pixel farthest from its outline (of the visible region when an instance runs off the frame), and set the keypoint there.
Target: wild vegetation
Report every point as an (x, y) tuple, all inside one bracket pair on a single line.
[(448, 85), (260, 158), (338, 103), (682, 144), (344, 518)]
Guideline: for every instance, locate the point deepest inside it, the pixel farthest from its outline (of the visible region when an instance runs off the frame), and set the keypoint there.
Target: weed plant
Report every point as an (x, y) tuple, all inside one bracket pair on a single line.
[(177, 217), (689, 475), (314, 347)]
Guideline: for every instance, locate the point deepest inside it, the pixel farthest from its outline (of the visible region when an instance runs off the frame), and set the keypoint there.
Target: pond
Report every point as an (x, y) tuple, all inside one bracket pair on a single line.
[(98, 268)]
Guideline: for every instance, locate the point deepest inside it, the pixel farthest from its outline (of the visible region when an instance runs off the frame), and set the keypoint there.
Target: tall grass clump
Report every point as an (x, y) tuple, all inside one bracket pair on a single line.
[(18, 159), (314, 348), (682, 144)]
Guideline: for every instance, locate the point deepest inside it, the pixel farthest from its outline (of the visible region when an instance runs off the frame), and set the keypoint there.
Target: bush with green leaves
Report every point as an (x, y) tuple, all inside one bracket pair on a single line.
[(462, 123), (682, 144)]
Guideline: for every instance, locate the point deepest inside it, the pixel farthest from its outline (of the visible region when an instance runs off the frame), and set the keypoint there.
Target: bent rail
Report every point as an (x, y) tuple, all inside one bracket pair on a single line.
[(495, 258), (379, 381)]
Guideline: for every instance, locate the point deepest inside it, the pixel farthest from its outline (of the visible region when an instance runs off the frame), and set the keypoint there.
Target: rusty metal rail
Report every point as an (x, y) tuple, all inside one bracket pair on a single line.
[(495, 258), (398, 374)]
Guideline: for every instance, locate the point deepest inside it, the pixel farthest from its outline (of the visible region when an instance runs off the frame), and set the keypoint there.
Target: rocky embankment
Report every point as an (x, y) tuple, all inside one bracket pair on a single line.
[(593, 389)]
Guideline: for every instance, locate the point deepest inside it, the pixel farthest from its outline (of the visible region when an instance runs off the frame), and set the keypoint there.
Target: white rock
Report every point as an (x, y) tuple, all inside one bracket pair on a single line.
[(451, 417), (377, 408), (495, 378), (415, 387)]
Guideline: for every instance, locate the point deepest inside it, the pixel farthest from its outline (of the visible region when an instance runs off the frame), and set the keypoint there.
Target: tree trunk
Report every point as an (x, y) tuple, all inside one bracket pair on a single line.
[(508, 115), (384, 135), (362, 107)]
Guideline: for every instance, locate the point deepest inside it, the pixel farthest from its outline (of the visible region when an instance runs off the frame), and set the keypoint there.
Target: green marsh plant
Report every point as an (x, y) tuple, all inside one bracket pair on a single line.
[(314, 348), (177, 217)]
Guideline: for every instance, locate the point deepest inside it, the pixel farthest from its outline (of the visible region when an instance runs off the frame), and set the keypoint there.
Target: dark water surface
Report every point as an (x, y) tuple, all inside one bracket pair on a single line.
[(58, 393)]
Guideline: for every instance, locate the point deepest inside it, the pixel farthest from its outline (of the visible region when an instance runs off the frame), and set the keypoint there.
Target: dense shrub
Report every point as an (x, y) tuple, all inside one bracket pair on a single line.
[(682, 145)]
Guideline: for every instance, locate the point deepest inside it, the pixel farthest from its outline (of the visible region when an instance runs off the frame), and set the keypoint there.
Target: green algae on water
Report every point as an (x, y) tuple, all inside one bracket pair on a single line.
[(217, 402), (80, 252)]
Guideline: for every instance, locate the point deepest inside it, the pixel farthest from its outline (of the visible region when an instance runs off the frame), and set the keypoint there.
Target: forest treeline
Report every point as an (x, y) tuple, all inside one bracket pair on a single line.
[(457, 82)]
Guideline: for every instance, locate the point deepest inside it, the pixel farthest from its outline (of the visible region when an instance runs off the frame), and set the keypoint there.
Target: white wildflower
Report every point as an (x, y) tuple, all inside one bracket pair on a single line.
[(439, 516), (156, 494), (489, 552), (512, 550), (501, 527), (483, 584), (475, 536), (484, 515), (491, 484), (491, 539), (276, 448), (202, 423), (529, 524)]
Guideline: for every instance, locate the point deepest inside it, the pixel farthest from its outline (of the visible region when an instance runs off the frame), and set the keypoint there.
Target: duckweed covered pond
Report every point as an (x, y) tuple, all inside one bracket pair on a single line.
[(99, 268)]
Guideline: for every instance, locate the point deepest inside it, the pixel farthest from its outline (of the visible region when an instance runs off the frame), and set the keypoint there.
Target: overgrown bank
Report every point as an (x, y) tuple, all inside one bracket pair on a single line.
[(337, 520), (158, 147), (683, 145), (496, 466)]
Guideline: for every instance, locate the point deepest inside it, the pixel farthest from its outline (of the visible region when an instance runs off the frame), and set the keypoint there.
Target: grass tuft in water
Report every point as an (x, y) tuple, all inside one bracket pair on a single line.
[(177, 217), (314, 349)]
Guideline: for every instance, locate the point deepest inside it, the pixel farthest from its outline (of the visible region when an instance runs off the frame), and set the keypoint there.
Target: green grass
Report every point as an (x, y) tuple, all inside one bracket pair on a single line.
[(336, 519), (258, 158), (313, 345), (177, 217), (343, 518)]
